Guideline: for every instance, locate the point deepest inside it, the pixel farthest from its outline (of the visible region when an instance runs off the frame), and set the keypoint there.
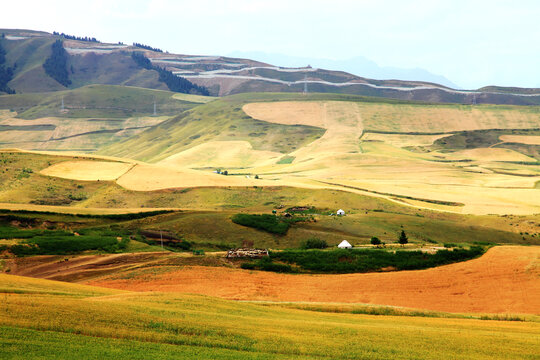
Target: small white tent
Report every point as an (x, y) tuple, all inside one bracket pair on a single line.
[(341, 212), (344, 245)]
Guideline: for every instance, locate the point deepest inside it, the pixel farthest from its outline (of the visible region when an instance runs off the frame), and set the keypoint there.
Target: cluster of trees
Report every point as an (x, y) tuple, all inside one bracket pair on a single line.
[(364, 260), (266, 222), (402, 239), (56, 65), (72, 37), (147, 47), (174, 83), (6, 73)]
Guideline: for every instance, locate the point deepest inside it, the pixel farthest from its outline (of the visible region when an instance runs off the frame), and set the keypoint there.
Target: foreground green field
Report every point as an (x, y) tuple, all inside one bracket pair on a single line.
[(44, 319)]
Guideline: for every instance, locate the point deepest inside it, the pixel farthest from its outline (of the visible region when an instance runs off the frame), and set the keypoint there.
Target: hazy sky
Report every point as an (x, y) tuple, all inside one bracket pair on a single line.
[(473, 43)]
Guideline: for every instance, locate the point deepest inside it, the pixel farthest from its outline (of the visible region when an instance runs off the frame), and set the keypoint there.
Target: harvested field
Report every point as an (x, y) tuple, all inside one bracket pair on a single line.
[(88, 170), (504, 280), (522, 139), (154, 177), (221, 154), (491, 154), (401, 140)]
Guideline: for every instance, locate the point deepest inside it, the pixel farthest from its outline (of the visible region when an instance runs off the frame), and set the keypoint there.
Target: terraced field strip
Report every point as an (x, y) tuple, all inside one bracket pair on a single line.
[(522, 139), (76, 210)]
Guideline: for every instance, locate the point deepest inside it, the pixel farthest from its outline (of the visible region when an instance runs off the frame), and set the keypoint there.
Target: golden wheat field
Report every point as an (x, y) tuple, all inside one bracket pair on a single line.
[(43, 318)]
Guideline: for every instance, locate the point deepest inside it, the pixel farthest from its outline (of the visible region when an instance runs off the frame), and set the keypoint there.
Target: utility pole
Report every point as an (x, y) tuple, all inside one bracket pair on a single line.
[(155, 107), (305, 84), (62, 108)]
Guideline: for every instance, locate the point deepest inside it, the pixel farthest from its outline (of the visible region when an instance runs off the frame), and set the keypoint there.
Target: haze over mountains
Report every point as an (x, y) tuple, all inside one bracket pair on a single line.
[(358, 65)]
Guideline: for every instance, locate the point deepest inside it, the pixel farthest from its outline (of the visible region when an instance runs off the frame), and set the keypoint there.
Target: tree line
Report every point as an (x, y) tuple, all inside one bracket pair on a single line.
[(147, 47), (73, 37), (6, 72), (174, 83), (56, 65)]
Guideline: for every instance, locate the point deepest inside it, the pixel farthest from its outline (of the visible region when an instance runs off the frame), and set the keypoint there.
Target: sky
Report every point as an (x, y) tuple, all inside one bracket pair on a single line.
[(473, 43)]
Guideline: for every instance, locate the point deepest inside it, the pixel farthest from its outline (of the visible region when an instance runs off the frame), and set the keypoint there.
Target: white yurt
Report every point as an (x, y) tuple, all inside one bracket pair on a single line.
[(340, 212), (344, 245)]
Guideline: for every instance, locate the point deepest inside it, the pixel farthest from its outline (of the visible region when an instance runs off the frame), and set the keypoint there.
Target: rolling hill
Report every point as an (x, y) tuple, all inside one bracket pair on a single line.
[(91, 116)]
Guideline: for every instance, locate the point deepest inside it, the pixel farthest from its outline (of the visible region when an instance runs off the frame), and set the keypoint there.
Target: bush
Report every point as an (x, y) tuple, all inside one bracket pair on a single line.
[(314, 243), (266, 264), (266, 222), (364, 260), (375, 241), (47, 245)]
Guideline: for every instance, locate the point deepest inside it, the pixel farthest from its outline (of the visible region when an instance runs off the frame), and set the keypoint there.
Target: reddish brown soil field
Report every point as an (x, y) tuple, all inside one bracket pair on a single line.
[(79, 268), (505, 280)]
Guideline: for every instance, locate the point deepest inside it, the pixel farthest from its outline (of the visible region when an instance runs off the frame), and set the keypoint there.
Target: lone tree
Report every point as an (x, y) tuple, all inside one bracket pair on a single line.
[(403, 239), (375, 241)]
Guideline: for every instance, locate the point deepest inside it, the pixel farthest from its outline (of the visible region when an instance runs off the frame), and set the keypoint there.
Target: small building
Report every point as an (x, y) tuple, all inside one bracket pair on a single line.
[(340, 212), (344, 245)]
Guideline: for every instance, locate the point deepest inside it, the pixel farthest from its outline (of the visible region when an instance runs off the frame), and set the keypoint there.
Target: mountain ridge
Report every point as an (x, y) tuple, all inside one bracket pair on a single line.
[(93, 62)]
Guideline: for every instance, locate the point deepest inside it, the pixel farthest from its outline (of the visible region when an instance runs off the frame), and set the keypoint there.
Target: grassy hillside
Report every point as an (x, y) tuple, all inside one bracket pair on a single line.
[(106, 101), (67, 321), (93, 116), (219, 120), (29, 55)]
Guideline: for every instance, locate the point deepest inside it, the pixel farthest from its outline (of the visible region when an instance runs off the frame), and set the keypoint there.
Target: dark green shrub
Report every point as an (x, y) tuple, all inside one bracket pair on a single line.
[(375, 241), (266, 222), (248, 266), (403, 239), (363, 260), (314, 243)]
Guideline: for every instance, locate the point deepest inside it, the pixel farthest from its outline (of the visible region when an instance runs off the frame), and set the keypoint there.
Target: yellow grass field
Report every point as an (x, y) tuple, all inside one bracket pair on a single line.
[(88, 170), (221, 154), (76, 210), (400, 140), (522, 139), (156, 177), (490, 154), (193, 98)]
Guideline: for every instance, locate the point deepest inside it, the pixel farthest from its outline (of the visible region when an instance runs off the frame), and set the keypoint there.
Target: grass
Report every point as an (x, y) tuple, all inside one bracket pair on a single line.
[(101, 101), (219, 120), (286, 160), (65, 321), (367, 216)]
